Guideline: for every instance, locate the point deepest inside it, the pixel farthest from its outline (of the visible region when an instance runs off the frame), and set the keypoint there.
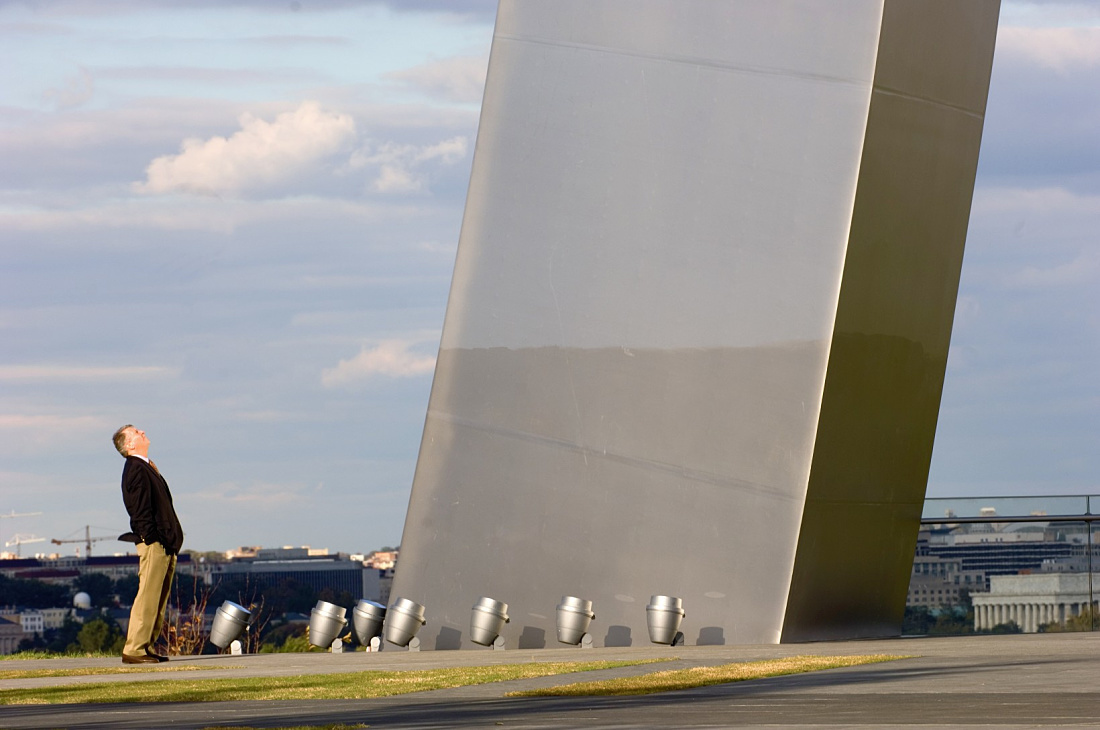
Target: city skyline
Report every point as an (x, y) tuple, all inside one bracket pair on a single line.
[(234, 224)]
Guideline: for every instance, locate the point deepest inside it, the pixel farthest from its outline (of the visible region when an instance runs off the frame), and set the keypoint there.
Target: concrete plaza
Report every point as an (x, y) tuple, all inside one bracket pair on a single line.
[(1041, 680)]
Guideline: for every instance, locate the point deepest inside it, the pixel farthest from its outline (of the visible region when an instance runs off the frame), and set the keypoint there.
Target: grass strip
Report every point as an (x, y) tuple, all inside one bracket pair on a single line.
[(31, 655), (705, 676), (296, 727), (87, 671), (344, 686)]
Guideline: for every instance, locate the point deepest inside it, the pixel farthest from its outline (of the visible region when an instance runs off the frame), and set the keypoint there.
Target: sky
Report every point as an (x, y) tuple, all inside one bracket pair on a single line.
[(233, 223)]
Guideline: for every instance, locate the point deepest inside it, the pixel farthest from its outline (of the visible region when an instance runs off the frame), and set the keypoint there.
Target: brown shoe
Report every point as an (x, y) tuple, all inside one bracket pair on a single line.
[(144, 659), (158, 657)]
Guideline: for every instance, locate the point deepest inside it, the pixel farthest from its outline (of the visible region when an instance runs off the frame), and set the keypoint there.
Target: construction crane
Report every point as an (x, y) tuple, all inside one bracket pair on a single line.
[(18, 514), (87, 539), (20, 540)]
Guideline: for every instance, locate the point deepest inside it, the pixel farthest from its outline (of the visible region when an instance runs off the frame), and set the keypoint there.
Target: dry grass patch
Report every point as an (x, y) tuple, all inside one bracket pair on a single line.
[(705, 676), (86, 671), (344, 686), (25, 656), (296, 727)]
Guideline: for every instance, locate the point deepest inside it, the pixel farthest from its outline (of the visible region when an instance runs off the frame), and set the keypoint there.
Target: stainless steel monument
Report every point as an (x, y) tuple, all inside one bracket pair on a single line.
[(700, 316)]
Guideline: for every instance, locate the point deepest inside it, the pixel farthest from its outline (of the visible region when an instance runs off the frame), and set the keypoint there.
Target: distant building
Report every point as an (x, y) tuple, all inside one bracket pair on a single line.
[(313, 568), (382, 559), (11, 633), (54, 618), (33, 622), (64, 570), (385, 583), (17, 624), (1033, 600), (55, 571), (953, 558), (940, 581)]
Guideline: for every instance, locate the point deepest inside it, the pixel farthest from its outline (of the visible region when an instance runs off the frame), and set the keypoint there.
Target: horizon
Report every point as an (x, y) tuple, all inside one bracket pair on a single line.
[(235, 226)]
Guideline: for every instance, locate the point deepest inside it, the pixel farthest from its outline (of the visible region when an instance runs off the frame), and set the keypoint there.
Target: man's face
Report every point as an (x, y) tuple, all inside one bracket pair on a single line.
[(136, 439)]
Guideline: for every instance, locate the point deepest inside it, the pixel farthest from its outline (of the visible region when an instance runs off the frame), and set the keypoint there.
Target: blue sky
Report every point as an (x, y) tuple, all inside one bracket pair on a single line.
[(234, 224)]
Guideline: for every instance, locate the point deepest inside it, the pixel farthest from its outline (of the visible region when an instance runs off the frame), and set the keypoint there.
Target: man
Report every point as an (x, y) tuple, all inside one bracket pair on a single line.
[(157, 532)]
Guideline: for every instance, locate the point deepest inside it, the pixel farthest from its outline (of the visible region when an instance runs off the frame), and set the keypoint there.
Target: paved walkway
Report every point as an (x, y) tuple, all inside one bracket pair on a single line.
[(1042, 680)]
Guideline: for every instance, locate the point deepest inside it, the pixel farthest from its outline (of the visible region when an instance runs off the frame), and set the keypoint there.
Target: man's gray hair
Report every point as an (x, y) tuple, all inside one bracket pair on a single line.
[(121, 439)]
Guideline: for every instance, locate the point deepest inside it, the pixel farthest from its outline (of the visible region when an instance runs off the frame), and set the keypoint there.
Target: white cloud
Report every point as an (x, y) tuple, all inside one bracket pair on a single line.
[(261, 154), (390, 357), (449, 151), (76, 91), (259, 497), (1083, 269), (1034, 200), (27, 491), (160, 123), (968, 309), (194, 214), (1059, 49), (64, 373), (399, 165), (460, 79), (27, 434), (51, 423), (268, 416), (396, 179)]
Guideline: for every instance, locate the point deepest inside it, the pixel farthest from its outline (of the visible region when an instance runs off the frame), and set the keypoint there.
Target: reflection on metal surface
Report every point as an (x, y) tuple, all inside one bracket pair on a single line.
[(700, 315), (893, 320)]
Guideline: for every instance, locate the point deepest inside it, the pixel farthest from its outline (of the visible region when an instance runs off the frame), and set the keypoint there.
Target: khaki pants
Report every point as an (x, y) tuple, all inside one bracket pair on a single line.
[(155, 570)]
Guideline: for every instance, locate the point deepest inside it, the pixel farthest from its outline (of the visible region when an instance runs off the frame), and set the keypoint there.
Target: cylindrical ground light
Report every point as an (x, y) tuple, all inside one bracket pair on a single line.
[(663, 616), (326, 621), (367, 618), (574, 616), (403, 619), (489, 617), (229, 621)]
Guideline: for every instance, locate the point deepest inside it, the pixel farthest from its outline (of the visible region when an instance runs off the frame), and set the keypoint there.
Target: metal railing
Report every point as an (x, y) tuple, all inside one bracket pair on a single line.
[(996, 536)]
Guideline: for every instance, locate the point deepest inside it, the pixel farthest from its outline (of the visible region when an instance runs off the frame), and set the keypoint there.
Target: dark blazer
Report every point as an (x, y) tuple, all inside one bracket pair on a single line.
[(147, 499)]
